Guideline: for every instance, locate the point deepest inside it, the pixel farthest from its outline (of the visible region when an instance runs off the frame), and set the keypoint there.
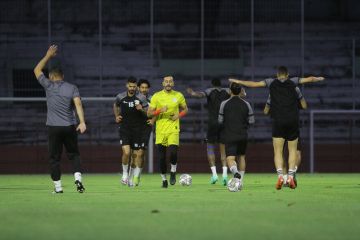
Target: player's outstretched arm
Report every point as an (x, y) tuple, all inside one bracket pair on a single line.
[(311, 79), (51, 52), (195, 94), (251, 84), (80, 112)]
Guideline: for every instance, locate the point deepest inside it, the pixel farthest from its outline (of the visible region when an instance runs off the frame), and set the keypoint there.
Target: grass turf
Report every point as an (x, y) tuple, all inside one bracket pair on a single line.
[(324, 206)]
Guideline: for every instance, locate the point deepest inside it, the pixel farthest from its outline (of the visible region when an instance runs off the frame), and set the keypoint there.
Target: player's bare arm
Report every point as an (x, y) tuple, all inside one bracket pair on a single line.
[(116, 110), (151, 121), (183, 112), (51, 52), (266, 109), (80, 112), (303, 103), (251, 84), (311, 79), (195, 94)]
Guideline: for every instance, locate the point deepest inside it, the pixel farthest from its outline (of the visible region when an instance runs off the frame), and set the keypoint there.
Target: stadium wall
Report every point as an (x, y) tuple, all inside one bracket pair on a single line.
[(106, 159)]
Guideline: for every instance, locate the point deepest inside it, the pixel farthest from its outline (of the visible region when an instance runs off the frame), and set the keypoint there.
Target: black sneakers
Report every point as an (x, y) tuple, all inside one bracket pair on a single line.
[(164, 184), (79, 187), (55, 192), (237, 175), (172, 178)]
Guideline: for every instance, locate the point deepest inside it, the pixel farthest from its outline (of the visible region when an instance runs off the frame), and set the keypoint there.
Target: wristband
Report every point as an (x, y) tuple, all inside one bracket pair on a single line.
[(157, 112), (182, 114)]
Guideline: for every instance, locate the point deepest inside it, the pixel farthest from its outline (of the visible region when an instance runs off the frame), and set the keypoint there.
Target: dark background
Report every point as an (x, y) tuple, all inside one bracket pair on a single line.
[(102, 42)]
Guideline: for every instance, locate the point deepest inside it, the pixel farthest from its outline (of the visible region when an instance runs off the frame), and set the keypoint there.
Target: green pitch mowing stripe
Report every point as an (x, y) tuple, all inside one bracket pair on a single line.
[(324, 206)]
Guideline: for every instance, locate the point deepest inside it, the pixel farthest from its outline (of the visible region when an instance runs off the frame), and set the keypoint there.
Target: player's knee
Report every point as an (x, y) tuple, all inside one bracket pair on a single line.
[(126, 153)]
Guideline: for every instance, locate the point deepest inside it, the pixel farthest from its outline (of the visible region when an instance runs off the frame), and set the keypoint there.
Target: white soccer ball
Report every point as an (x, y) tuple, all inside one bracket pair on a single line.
[(234, 185), (185, 180)]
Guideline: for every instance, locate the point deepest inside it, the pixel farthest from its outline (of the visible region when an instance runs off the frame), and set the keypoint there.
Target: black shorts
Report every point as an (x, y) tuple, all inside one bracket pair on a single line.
[(213, 134), (132, 136), (236, 148), (288, 130), (146, 135)]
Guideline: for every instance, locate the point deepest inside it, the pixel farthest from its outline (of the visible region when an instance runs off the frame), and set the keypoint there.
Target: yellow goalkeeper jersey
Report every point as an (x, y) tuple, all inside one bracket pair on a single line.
[(172, 100)]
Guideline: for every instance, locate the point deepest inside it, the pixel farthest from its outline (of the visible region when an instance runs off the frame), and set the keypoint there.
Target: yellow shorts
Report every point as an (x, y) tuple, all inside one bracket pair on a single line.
[(167, 139)]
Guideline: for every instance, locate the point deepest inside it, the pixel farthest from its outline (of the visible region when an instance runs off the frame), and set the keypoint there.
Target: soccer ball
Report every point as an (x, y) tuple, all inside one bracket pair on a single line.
[(234, 185), (185, 180)]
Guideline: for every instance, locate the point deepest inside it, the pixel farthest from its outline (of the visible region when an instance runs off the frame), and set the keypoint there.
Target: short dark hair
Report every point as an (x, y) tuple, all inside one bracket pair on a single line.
[(282, 70), (131, 79), (235, 88), (216, 82), (56, 70), (141, 81)]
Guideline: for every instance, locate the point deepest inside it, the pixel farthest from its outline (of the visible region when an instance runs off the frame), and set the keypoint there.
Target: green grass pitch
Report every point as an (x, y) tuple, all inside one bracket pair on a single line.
[(324, 206)]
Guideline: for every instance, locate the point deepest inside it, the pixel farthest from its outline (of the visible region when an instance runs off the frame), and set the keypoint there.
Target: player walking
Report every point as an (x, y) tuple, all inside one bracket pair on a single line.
[(235, 115), (61, 97)]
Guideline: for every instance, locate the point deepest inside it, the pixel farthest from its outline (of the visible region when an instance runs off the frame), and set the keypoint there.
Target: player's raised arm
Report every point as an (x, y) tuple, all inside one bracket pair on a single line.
[(195, 94), (311, 79), (251, 84), (51, 52)]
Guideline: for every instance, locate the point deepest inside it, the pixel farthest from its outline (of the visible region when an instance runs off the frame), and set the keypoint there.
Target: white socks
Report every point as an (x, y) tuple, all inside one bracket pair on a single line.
[(279, 172), (234, 169), (125, 170), (131, 173), (173, 168), (58, 187), (163, 177), (213, 170), (137, 171), (224, 174), (77, 176)]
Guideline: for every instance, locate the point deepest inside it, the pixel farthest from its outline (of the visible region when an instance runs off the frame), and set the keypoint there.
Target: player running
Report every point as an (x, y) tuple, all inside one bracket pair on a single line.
[(235, 115), (166, 106), (129, 110), (143, 88), (285, 117), (214, 96)]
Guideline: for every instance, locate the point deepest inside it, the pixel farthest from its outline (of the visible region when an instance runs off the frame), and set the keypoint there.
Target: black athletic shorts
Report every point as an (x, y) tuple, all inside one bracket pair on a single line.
[(132, 136), (146, 135), (288, 130), (213, 134), (236, 148)]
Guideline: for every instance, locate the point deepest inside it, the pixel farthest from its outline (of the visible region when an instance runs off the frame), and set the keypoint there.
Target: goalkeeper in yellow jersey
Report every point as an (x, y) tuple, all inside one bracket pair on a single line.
[(168, 106)]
